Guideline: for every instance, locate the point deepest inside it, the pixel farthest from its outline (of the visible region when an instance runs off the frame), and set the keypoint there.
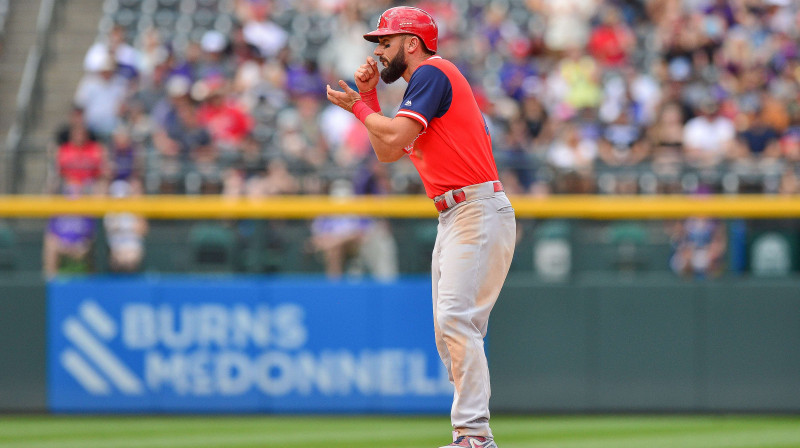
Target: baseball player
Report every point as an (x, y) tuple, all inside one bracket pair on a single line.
[(440, 127)]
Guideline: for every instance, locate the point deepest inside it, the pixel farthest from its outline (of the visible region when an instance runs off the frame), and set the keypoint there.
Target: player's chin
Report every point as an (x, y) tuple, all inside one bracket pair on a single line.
[(389, 76)]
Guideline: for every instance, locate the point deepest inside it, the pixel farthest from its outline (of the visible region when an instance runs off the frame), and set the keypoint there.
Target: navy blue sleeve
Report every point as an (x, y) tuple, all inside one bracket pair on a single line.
[(428, 95)]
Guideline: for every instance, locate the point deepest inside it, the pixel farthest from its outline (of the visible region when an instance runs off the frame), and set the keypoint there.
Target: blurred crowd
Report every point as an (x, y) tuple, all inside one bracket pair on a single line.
[(581, 96)]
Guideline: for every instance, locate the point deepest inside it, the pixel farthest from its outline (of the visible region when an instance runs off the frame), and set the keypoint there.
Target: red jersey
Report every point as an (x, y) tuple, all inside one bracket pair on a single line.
[(79, 165), (454, 148)]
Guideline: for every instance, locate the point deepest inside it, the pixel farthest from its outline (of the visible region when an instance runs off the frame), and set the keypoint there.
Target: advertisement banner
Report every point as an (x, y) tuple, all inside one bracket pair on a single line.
[(237, 344)]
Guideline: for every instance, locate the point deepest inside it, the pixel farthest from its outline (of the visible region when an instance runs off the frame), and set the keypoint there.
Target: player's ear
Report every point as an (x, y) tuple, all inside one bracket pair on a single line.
[(413, 43)]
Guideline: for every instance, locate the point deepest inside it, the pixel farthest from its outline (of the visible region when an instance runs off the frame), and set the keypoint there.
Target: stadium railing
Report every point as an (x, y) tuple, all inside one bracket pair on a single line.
[(27, 97)]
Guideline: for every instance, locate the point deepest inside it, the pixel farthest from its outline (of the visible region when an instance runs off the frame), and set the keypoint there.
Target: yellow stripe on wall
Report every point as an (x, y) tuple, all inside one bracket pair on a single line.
[(304, 207)]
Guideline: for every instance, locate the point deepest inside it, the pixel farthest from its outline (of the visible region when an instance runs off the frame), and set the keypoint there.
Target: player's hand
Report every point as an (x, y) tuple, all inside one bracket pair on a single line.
[(367, 75), (345, 99)]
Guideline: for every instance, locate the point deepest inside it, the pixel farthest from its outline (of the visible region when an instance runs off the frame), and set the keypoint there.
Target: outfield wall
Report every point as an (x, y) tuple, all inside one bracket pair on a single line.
[(611, 343), (304, 344)]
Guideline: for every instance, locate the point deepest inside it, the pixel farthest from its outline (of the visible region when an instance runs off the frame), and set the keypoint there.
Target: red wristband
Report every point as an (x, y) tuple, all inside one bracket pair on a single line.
[(362, 111), (370, 98)]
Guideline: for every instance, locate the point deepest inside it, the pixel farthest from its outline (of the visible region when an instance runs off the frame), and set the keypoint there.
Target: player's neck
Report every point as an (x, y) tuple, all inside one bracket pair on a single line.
[(414, 63)]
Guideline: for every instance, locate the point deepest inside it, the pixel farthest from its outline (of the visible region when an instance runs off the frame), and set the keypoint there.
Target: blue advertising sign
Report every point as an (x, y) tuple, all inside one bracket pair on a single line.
[(171, 344)]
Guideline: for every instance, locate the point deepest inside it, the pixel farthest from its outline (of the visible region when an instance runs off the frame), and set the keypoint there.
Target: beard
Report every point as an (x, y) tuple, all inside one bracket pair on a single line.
[(395, 68)]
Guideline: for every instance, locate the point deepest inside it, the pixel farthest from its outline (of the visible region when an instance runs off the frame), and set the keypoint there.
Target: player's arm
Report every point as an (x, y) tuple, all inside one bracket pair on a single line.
[(389, 136)]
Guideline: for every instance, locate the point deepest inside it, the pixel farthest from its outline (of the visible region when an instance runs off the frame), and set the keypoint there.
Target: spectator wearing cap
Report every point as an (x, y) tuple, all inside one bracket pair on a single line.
[(180, 139), (176, 90), (101, 94), (215, 61), (125, 57)]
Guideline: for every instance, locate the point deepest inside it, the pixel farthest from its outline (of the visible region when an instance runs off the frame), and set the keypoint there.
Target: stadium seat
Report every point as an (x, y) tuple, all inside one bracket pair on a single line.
[(7, 249), (628, 238), (552, 253), (262, 250), (172, 4), (213, 248), (772, 254)]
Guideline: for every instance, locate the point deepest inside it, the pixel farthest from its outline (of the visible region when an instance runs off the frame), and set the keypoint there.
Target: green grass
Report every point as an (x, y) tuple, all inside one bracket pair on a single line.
[(396, 432)]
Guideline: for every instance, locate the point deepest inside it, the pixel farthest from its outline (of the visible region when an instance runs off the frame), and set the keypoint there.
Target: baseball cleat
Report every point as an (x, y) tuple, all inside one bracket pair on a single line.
[(472, 442)]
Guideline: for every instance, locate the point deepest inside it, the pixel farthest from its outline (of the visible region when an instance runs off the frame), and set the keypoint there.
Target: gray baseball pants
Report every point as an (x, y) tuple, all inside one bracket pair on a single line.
[(473, 251)]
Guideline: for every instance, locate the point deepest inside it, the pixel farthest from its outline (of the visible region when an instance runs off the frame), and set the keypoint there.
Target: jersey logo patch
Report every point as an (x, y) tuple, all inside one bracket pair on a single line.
[(407, 103)]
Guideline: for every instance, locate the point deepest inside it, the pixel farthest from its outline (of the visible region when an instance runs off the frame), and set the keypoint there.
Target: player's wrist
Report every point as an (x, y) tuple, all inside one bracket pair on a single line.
[(361, 110), (370, 98)]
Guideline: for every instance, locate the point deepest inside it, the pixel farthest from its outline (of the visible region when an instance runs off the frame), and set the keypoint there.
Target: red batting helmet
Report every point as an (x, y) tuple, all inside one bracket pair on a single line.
[(407, 20)]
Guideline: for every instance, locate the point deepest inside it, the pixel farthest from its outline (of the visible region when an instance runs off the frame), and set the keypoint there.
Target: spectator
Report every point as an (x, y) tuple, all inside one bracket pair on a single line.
[(152, 53), (125, 57), (347, 46), (758, 141), (187, 154), (790, 140), (699, 247), (125, 232), (69, 241), (81, 162), (573, 156), (125, 158), (622, 142), (214, 62), (577, 79), (259, 29), (518, 75), (665, 139), (352, 244), (222, 116), (611, 43), (276, 180), (543, 62), (101, 94), (567, 23), (708, 138)]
